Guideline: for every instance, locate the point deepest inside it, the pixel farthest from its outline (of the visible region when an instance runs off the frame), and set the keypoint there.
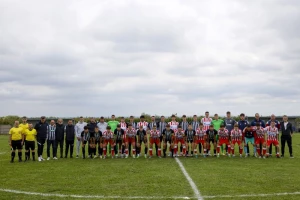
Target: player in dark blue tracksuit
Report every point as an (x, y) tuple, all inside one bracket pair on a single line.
[(242, 125)]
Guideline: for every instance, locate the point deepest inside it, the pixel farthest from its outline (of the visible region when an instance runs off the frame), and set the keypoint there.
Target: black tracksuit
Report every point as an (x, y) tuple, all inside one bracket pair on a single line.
[(42, 131), (286, 137), (70, 137), (59, 137)]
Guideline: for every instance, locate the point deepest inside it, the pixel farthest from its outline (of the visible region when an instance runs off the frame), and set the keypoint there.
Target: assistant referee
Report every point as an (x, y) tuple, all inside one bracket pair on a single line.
[(16, 139)]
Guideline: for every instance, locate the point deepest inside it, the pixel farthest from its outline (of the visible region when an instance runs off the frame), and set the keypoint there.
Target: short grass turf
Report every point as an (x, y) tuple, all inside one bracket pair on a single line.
[(151, 177)]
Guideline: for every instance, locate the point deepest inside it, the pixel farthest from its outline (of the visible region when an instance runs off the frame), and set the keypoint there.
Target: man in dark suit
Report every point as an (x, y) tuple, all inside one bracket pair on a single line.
[(286, 136)]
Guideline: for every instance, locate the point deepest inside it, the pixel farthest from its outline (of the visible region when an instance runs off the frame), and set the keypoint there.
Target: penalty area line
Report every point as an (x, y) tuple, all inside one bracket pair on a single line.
[(190, 180)]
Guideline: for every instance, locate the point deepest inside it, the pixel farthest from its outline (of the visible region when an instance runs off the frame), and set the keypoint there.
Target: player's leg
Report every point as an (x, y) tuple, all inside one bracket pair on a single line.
[(32, 148), (257, 142), (254, 147), (220, 143), (13, 151), (67, 148), (268, 147), (264, 151), (215, 147), (283, 139), (175, 148), (127, 144), (164, 148), (83, 149), (54, 149), (27, 145), (105, 143), (276, 144), (232, 148), (19, 147), (150, 147), (48, 149), (184, 146), (195, 144), (245, 147), (158, 148), (145, 146), (241, 149), (133, 149), (270, 150), (204, 144), (112, 144), (228, 145)]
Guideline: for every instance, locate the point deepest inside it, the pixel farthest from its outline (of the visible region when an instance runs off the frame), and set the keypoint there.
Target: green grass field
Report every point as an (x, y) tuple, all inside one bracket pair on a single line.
[(215, 178)]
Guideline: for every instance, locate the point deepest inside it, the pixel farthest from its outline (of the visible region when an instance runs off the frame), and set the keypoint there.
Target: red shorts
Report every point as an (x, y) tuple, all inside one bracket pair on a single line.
[(181, 140), (200, 141), (259, 140), (109, 141), (275, 142), (222, 141), (130, 140), (154, 141), (236, 142)]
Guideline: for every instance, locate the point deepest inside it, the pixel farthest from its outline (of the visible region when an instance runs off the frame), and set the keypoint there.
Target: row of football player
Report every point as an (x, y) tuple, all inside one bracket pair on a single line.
[(16, 135), (257, 136)]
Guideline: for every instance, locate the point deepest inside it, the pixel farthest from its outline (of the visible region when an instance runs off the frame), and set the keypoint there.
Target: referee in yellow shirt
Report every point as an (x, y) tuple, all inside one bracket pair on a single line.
[(30, 137), (16, 139), (25, 127)]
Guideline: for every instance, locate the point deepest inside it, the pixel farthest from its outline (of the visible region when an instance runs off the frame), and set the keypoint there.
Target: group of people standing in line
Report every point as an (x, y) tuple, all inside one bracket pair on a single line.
[(122, 139)]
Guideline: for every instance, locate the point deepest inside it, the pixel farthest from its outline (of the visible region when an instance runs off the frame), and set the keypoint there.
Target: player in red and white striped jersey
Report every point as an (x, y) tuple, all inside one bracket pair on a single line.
[(200, 138), (154, 139), (108, 138), (143, 123), (206, 121), (260, 140), (179, 137), (272, 138), (173, 123), (223, 139), (123, 124), (130, 138), (236, 136)]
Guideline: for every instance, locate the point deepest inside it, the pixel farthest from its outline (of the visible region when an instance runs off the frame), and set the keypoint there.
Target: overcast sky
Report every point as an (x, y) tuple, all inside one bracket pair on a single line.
[(94, 58)]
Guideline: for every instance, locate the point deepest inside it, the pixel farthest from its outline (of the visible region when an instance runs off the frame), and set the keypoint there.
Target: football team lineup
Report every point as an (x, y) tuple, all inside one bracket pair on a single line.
[(190, 145)]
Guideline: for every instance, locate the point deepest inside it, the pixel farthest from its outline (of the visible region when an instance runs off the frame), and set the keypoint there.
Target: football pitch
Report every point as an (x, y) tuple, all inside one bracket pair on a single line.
[(165, 178)]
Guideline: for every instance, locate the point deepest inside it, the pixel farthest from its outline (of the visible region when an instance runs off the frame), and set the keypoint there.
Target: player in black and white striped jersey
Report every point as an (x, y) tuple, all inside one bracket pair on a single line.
[(190, 135), (51, 140), (195, 123)]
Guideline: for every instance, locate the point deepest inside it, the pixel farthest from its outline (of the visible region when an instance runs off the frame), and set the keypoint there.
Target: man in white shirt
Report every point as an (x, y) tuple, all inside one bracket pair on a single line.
[(102, 125), (79, 127)]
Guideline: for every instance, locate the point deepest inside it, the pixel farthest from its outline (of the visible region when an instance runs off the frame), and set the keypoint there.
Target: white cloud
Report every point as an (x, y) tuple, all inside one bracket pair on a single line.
[(66, 58)]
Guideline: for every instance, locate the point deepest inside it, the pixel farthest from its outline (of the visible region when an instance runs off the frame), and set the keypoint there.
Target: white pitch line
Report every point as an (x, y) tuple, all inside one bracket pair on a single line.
[(252, 195), (89, 196), (2, 153), (190, 180), (141, 197)]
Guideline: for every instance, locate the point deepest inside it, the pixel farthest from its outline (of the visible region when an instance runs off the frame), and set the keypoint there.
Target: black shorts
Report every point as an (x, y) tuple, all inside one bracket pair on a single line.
[(29, 145), (84, 142), (189, 141), (211, 140), (16, 144)]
